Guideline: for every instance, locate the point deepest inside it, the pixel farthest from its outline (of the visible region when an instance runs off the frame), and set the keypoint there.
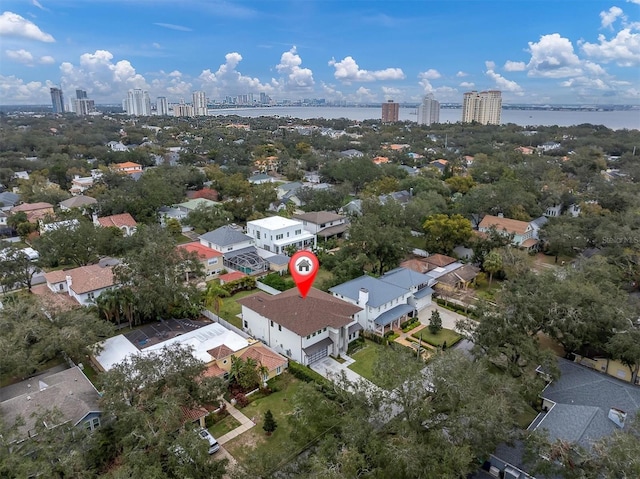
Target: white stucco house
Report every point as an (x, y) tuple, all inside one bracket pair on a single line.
[(84, 284), (303, 329), (276, 233)]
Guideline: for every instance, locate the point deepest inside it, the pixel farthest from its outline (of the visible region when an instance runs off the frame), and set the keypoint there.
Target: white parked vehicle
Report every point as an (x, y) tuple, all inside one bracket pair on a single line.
[(213, 444)]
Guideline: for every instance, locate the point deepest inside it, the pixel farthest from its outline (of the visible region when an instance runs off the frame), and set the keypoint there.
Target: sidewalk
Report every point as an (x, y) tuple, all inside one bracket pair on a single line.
[(245, 425)]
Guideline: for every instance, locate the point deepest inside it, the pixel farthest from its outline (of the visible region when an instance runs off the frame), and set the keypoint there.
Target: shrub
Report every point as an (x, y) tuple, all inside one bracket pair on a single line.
[(241, 400), (435, 322), (355, 345), (269, 423), (374, 337)]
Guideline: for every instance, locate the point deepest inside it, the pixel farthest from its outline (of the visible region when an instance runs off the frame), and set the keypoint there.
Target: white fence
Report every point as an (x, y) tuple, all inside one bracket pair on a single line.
[(267, 289)]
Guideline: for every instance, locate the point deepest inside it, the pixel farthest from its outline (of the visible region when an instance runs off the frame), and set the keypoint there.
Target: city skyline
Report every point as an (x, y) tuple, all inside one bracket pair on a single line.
[(341, 51)]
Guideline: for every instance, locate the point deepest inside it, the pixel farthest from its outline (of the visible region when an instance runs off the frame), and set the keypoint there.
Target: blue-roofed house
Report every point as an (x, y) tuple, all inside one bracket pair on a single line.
[(238, 249), (389, 300)]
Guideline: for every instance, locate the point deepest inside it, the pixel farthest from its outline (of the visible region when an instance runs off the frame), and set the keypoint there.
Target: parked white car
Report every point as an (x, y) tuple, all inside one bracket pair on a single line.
[(213, 444)]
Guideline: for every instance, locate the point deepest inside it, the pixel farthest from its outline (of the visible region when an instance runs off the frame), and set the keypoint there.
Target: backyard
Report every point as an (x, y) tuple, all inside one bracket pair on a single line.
[(365, 359), (280, 405), (230, 308)]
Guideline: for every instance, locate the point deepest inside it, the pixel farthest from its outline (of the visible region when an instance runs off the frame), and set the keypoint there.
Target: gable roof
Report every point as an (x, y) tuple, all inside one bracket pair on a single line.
[(90, 278), (78, 201), (380, 292), (406, 278), (583, 398), (319, 217), (68, 391), (505, 224), (26, 207), (301, 315), (226, 236), (196, 202), (123, 219), (439, 260), (9, 199), (220, 352)]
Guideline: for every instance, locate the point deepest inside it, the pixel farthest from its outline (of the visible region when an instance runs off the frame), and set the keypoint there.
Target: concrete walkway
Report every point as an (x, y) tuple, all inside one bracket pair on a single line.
[(245, 424), (331, 369)]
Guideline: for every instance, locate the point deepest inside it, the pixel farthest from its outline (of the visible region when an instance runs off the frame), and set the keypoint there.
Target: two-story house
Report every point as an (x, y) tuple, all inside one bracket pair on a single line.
[(123, 221), (384, 304), (212, 260), (277, 234), (34, 211), (84, 284), (324, 224), (303, 329), (238, 249), (523, 232)]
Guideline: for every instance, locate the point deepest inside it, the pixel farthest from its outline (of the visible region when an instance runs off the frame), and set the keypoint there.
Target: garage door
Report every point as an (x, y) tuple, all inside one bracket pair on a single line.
[(318, 355)]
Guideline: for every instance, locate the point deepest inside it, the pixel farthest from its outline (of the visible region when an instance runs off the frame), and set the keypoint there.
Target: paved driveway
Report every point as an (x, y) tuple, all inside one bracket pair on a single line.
[(331, 369)]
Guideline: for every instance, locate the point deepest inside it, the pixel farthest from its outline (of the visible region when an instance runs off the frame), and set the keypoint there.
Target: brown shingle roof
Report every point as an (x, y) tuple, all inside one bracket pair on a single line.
[(264, 356), (504, 224), (303, 316), (318, 217), (123, 219), (439, 260)]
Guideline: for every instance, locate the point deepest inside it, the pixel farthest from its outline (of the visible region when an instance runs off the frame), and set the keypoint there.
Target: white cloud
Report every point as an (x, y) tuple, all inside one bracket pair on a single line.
[(623, 49), (172, 26), (20, 56), (553, 57), (502, 83), (228, 81), (13, 25), (47, 60), (37, 4), (610, 16), (461, 74), (467, 84), (510, 66), (430, 74), (390, 91), (490, 65), (363, 95), (330, 90), (15, 90), (297, 78), (347, 71)]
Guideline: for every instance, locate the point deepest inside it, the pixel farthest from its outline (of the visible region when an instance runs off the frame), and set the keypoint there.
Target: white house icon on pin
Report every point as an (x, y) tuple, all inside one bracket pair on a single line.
[(304, 266)]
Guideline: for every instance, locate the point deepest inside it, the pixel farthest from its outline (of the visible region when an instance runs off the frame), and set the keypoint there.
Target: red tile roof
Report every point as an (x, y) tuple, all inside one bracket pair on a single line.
[(201, 250), (222, 351), (303, 316), (123, 219), (439, 260), (227, 278), (214, 371), (264, 356), (85, 278)]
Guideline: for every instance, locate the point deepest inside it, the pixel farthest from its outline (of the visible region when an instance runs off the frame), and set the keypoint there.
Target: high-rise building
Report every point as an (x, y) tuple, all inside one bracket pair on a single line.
[(390, 111), (199, 103), (182, 109), (162, 107), (57, 100), (484, 107), (81, 94), (138, 102), (81, 104), (428, 111)]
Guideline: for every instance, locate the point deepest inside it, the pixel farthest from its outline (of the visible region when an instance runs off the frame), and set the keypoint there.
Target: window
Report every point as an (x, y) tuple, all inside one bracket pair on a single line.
[(298, 232), (324, 330), (272, 324), (257, 234), (91, 296), (61, 286), (279, 237), (92, 424), (279, 327), (287, 234), (278, 369), (308, 336), (213, 261), (246, 325)]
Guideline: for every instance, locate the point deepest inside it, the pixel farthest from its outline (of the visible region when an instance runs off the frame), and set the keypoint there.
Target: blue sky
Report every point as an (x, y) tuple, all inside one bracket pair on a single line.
[(540, 51)]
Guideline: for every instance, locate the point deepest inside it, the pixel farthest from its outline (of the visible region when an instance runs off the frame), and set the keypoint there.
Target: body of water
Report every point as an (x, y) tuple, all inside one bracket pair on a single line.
[(616, 120)]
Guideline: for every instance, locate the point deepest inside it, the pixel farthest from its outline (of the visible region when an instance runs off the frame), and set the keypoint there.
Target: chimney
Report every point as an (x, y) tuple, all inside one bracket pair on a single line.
[(363, 296), (94, 217), (69, 281)]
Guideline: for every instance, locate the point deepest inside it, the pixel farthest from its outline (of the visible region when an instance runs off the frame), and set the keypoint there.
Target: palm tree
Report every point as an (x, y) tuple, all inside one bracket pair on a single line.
[(263, 371), (127, 303), (108, 304), (492, 264), (213, 296)]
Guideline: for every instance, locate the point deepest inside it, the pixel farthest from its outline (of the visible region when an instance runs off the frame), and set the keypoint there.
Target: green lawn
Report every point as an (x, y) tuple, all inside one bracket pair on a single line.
[(451, 337), (323, 278), (365, 359), (231, 309), (226, 424), (417, 242), (280, 405)]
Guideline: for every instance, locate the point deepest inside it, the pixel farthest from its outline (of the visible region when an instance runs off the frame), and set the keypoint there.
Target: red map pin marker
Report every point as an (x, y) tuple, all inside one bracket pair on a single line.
[(304, 267)]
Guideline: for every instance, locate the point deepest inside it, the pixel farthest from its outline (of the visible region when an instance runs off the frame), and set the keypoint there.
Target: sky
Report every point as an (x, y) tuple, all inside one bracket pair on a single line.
[(535, 52)]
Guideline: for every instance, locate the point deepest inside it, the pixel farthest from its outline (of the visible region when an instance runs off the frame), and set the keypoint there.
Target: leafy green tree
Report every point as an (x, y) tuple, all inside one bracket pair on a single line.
[(69, 244), (492, 264), (155, 274), (213, 296), (625, 347), (435, 322), (16, 269), (269, 423), (147, 396), (562, 236), (443, 232), (207, 218)]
